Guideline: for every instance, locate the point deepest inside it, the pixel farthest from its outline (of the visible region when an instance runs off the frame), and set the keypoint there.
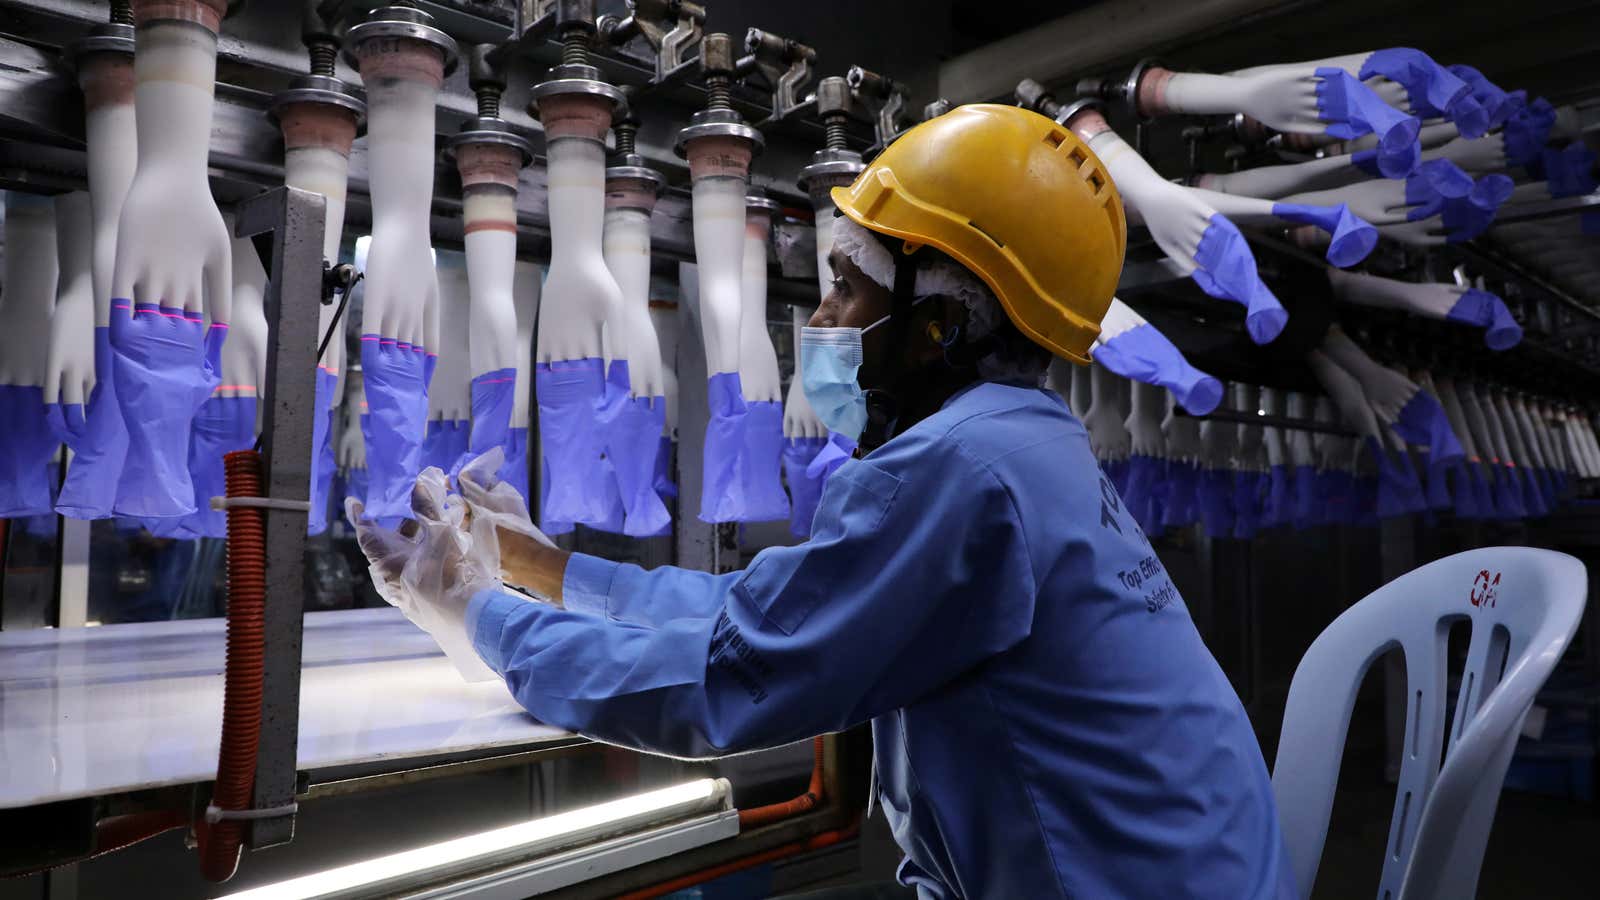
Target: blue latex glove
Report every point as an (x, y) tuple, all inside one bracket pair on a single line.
[(515, 471), (1144, 481), (1497, 104), (1436, 485), (666, 485), (1569, 171), (355, 483), (1366, 497), (445, 444), (1507, 492), (1278, 507), (1227, 271), (1118, 473), (632, 426), (804, 491), (761, 462), (1214, 496), (1432, 184), (1353, 237), (98, 444), (1246, 504), (546, 524), (835, 453), (1182, 509), (1423, 422), (322, 462), (1145, 355), (1540, 481), (1469, 490), (43, 526), (1482, 494), (493, 396), (26, 447), (1335, 492), (1467, 217), (1352, 110), (721, 494), (1305, 513), (394, 423), (1399, 488), (1526, 132), (1433, 90), (1484, 310), (570, 394), (223, 425), (166, 363)]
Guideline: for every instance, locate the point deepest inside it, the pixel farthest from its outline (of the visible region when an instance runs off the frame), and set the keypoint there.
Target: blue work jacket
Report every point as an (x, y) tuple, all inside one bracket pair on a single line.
[(1046, 719)]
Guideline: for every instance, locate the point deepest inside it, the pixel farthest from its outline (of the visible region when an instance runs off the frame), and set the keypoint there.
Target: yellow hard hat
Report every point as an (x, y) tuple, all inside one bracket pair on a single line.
[(1016, 198)]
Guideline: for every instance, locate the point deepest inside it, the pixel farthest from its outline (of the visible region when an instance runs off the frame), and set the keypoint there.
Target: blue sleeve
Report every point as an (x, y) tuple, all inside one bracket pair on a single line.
[(917, 571), (631, 594)]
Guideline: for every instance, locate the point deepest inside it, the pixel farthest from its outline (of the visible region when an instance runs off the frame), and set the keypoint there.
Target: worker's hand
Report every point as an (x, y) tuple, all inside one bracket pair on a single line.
[(505, 541), (428, 569)]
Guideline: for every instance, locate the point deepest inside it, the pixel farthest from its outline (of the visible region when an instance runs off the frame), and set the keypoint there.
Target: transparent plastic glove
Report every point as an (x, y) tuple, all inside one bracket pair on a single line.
[(1193, 234), (494, 503), (431, 574), (1133, 348)]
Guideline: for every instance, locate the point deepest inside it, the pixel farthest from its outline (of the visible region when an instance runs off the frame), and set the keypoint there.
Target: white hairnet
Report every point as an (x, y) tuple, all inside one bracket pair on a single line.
[(939, 277)]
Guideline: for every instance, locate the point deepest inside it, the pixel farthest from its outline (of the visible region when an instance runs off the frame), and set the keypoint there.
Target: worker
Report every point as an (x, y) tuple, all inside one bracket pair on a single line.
[(1046, 719)]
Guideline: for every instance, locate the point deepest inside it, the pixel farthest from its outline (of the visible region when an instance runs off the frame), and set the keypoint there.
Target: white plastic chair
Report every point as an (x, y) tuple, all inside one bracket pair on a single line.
[(1524, 605)]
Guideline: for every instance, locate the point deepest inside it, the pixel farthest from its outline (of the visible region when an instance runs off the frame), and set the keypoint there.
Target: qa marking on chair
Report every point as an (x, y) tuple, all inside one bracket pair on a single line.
[(1485, 589)]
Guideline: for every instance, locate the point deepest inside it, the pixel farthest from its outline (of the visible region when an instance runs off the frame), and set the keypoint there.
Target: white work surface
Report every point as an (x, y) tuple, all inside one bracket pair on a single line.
[(88, 711)]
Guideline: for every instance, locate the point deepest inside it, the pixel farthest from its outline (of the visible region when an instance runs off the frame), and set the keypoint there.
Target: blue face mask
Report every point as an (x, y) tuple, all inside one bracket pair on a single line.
[(829, 361)]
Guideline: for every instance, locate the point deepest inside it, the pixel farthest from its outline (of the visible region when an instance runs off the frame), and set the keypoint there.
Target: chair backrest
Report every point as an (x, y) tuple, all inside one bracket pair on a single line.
[(1523, 605)]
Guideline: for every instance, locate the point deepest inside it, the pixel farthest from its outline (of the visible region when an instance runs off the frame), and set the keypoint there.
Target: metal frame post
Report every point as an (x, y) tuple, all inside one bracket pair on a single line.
[(294, 291)]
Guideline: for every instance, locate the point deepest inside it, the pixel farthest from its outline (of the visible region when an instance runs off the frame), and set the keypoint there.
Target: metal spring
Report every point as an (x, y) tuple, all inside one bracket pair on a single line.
[(834, 131), (323, 56), (719, 92), (488, 103), (575, 48), (122, 12), (625, 139)]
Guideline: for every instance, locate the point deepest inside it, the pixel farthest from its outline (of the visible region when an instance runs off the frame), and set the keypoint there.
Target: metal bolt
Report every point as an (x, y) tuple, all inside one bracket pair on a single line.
[(717, 61), (122, 12), (575, 26), (833, 107), (485, 80)]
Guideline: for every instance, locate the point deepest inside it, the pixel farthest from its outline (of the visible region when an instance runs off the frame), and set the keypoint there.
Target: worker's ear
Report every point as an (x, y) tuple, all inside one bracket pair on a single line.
[(940, 320)]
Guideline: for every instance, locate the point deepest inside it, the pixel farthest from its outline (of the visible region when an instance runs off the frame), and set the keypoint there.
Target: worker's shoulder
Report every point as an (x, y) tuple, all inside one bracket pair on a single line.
[(993, 421)]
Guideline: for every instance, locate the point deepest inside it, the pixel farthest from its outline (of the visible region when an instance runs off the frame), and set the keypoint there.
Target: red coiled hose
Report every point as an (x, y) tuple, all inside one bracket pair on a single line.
[(241, 698)]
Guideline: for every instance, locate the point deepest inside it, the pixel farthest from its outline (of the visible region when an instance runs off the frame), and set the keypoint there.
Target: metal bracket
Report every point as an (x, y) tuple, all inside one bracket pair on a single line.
[(296, 220), (884, 96), (785, 66), (672, 28)]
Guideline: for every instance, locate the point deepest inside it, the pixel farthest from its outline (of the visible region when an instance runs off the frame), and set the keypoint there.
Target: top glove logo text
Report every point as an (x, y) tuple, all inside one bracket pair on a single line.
[(1485, 589)]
